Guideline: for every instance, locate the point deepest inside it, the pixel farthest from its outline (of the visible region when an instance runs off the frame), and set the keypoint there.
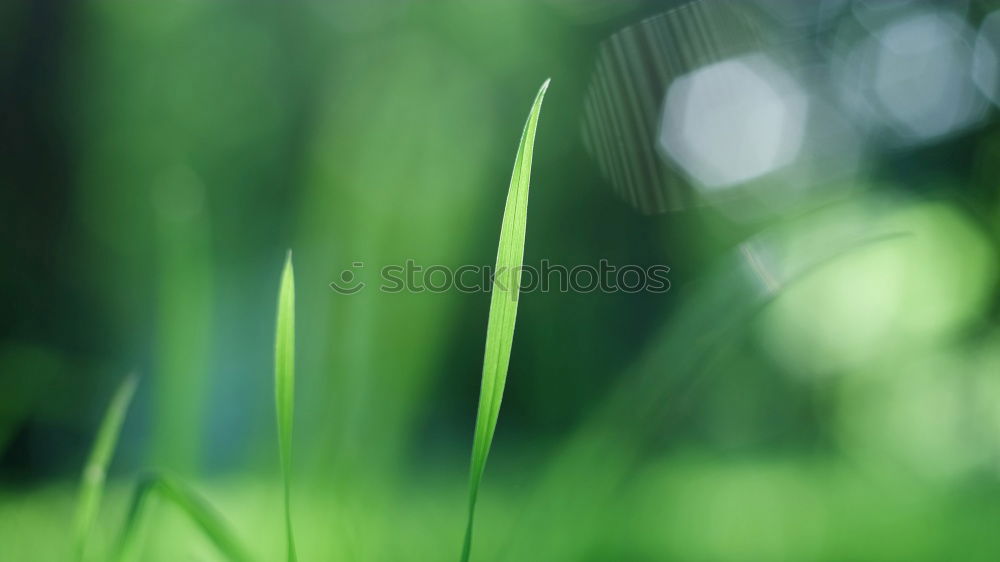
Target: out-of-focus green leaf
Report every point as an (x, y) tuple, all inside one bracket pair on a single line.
[(96, 469), (204, 517)]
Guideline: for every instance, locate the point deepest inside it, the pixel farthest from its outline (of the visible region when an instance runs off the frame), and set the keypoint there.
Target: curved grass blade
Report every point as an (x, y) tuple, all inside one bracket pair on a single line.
[(649, 403), (503, 311), (284, 387), (204, 517), (96, 469)]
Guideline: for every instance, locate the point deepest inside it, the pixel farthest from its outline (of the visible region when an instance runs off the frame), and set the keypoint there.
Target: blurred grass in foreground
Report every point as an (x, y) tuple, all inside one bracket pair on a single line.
[(688, 506)]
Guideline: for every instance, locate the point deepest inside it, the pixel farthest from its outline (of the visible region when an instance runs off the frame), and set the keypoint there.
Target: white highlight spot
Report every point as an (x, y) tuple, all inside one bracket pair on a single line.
[(986, 58), (922, 87), (733, 121)]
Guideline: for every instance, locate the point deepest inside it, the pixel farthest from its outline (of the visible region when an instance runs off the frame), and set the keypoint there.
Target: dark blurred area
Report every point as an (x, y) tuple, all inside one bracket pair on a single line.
[(821, 382)]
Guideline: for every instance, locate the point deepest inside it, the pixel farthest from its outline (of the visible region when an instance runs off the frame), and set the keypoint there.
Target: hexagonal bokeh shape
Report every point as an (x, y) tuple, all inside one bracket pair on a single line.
[(733, 121), (986, 57), (922, 81)]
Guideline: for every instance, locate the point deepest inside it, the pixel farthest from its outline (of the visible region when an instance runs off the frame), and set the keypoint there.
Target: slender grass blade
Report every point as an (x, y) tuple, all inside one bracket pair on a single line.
[(96, 469), (284, 387), (200, 513), (503, 311)]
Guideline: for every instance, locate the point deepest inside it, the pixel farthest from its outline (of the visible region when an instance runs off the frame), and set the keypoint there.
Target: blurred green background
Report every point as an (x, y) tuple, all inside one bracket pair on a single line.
[(822, 381)]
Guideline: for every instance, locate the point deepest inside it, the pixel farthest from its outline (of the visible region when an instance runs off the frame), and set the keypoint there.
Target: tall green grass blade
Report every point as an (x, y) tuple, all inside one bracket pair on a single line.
[(503, 311), (204, 517), (284, 387), (96, 469)]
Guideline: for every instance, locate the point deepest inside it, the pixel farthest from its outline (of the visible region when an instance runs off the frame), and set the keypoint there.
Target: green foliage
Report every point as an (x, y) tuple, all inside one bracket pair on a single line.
[(499, 337), (503, 310), (200, 513), (204, 517), (284, 386), (96, 469)]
